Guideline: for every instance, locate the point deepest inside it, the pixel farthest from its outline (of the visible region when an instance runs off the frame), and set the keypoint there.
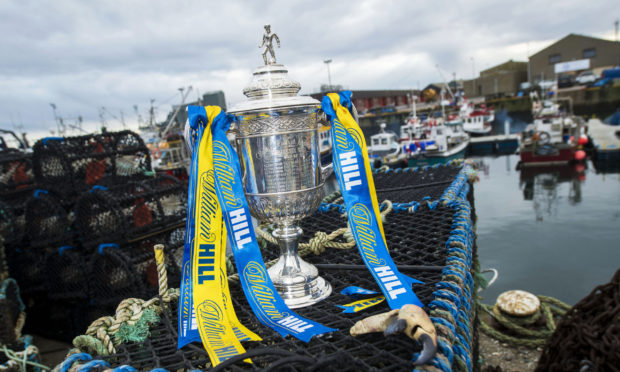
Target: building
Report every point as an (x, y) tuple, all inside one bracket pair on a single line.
[(595, 53), (215, 98), (378, 100), (499, 81)]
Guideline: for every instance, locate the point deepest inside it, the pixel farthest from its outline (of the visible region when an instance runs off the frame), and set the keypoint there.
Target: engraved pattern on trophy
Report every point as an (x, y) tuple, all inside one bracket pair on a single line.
[(278, 124), (258, 87), (282, 174)]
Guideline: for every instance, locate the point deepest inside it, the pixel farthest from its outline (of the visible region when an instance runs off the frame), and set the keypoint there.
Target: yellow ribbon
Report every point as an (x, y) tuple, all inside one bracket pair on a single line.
[(364, 304), (350, 125), (219, 328)]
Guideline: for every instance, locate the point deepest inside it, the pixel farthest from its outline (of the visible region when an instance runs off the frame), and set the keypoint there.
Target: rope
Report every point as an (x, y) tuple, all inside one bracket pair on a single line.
[(20, 359), (162, 273), (132, 319), (316, 244), (518, 332)]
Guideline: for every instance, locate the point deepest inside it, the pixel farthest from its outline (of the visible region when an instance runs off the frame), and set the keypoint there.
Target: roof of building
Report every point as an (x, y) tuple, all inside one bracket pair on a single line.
[(573, 36), (509, 65)]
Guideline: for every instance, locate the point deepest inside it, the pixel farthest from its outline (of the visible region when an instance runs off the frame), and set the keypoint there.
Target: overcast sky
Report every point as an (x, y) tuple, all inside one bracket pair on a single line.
[(82, 55)]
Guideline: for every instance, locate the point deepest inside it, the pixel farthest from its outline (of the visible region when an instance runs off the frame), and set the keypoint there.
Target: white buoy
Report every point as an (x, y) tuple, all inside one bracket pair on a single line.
[(518, 303)]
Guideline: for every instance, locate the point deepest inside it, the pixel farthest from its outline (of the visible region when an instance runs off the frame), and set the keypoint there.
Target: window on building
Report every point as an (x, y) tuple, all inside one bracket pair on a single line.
[(555, 58), (589, 53)]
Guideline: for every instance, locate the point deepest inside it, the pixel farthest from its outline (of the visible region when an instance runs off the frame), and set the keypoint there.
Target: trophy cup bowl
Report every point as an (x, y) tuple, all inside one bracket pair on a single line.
[(277, 144)]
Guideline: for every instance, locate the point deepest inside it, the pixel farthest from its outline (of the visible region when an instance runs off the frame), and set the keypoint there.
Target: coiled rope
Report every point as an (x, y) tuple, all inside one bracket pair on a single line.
[(132, 319), (521, 331), (20, 360)]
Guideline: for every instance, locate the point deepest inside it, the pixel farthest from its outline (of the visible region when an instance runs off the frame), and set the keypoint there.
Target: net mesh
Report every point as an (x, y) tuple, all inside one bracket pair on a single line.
[(11, 307), (417, 243), (73, 287), (128, 211), (588, 336), (70, 165), (82, 241), (16, 175)]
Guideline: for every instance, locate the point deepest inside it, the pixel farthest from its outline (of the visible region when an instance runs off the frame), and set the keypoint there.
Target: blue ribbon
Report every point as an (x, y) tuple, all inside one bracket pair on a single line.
[(349, 166), (187, 326), (236, 215), (354, 291), (106, 245)]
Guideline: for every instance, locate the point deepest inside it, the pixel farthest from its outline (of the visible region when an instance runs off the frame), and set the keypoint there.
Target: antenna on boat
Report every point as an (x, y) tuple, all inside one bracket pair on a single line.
[(152, 115), (444, 80), (60, 126), (140, 120), (121, 120), (414, 98), (184, 94)]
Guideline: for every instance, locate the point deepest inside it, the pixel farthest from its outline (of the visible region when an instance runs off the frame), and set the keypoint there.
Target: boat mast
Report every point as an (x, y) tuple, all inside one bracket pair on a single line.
[(176, 111), (413, 108), (443, 107)]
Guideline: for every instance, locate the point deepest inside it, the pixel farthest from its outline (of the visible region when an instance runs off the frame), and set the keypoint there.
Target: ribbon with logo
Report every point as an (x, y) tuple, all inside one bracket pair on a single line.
[(205, 308), (188, 329), (350, 158), (221, 209)]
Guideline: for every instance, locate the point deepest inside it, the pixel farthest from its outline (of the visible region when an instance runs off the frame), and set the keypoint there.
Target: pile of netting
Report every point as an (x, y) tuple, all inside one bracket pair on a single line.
[(588, 336), (428, 226), (79, 237), (70, 165), (17, 353), (16, 174)]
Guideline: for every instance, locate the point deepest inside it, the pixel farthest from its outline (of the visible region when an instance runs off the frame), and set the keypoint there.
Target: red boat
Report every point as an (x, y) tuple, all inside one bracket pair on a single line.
[(547, 154), (552, 138)]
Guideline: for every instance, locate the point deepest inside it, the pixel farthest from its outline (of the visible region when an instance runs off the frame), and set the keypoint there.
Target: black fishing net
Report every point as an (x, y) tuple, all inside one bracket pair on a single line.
[(62, 319), (94, 281), (11, 307), (116, 274), (68, 166), (587, 337), (47, 222), (127, 211), (13, 218), (16, 174), (417, 244), (408, 186)]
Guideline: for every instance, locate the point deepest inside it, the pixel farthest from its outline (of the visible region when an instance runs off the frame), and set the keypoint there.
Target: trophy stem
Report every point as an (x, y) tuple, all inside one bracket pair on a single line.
[(297, 281)]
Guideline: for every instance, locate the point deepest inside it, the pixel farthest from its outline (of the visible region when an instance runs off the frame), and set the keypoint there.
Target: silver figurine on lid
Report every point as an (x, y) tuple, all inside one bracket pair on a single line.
[(278, 148)]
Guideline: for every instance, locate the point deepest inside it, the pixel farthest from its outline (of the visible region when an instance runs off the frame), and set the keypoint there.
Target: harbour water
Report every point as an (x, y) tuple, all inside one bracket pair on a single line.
[(552, 231)]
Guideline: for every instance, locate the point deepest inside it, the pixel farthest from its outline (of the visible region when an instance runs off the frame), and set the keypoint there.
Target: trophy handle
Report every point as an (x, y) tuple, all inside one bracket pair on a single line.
[(327, 171), (354, 113)]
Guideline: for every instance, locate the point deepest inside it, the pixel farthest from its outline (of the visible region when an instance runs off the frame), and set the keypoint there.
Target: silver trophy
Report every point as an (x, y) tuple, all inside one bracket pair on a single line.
[(277, 142)]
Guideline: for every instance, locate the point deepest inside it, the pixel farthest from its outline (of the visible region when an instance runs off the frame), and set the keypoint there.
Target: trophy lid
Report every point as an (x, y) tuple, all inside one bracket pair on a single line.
[(271, 87)]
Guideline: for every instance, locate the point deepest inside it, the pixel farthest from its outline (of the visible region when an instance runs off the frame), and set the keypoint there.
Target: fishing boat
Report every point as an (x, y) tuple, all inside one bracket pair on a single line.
[(413, 126), (476, 121), (384, 149), (552, 138), (443, 143), (169, 153), (605, 141), (325, 144), (446, 140)]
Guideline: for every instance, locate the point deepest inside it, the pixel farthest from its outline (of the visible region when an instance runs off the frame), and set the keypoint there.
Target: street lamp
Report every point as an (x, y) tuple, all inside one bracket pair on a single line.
[(329, 76)]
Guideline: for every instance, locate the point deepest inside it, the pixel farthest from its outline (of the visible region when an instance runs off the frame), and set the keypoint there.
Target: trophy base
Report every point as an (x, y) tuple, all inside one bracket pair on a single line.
[(300, 289)]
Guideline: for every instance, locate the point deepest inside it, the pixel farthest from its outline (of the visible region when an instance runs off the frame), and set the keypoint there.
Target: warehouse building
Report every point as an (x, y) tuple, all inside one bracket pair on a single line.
[(573, 53)]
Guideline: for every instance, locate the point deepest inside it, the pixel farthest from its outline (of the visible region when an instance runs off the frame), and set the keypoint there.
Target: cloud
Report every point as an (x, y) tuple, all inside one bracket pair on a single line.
[(84, 55)]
